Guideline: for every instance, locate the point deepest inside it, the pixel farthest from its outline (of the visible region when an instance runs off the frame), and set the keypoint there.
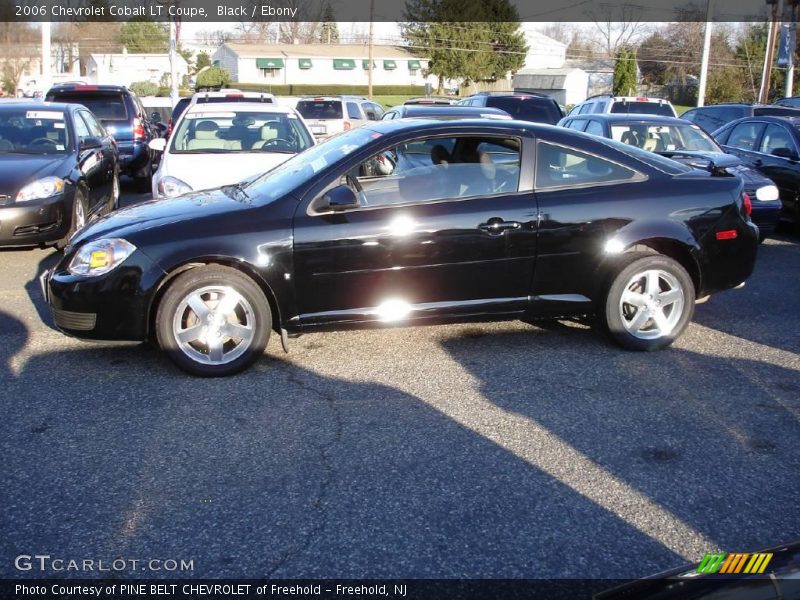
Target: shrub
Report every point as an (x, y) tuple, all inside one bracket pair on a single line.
[(213, 77), (144, 88)]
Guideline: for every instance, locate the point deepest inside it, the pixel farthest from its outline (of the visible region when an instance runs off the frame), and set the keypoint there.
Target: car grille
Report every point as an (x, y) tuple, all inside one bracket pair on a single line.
[(74, 320)]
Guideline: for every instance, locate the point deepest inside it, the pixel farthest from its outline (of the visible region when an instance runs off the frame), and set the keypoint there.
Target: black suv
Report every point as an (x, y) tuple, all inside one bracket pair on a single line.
[(122, 114), (714, 116), (523, 106)]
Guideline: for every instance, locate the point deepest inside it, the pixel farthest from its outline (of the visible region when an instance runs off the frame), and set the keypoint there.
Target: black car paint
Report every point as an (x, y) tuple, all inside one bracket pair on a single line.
[(48, 220), (318, 273), (715, 116), (765, 213), (785, 172)]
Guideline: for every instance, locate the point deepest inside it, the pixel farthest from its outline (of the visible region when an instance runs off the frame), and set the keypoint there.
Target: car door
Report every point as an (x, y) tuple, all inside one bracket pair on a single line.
[(90, 163), (784, 170), (451, 239), (573, 189), (108, 156), (742, 140)]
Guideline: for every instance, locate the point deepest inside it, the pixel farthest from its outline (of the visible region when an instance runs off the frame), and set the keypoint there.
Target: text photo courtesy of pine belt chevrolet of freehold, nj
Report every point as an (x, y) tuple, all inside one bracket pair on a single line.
[(433, 299)]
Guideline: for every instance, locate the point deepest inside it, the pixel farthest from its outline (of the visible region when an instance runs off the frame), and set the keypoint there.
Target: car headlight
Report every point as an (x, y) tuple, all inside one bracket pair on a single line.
[(172, 186), (100, 256), (767, 192), (47, 187)]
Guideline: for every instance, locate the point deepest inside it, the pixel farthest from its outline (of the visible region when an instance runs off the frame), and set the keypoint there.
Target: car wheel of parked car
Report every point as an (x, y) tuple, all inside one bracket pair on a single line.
[(77, 220), (115, 193), (649, 303), (213, 321)]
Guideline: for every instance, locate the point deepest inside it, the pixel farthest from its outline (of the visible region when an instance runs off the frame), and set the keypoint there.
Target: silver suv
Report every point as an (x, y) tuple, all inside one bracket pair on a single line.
[(328, 115), (641, 105)]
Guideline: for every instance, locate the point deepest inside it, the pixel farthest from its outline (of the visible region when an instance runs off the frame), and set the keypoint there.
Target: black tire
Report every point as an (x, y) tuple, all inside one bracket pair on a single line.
[(113, 203), (174, 312), (78, 203), (144, 179), (659, 308)]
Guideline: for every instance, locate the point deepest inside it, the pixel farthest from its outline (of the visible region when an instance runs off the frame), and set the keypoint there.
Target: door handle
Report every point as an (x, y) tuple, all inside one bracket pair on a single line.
[(496, 225)]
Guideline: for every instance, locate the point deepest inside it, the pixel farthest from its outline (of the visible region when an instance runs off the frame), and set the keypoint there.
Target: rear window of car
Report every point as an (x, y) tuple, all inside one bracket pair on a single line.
[(108, 107), (320, 109), (647, 108), (537, 110)]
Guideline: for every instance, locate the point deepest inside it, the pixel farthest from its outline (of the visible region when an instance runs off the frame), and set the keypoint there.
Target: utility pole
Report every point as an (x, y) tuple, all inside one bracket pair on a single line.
[(369, 60), (789, 83), (701, 90), (770, 54), (173, 92)]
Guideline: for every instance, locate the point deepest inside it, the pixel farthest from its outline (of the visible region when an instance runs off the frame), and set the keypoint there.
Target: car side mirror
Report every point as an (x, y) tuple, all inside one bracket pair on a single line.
[(89, 143), (785, 153), (157, 144), (341, 197)]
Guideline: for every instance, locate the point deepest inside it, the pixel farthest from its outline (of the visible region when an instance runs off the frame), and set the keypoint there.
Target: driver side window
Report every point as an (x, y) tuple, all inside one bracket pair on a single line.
[(81, 130), (438, 168)]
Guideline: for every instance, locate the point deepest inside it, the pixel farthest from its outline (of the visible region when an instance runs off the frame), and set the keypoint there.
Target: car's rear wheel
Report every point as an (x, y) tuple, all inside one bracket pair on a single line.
[(77, 218), (213, 321), (649, 303), (144, 179)]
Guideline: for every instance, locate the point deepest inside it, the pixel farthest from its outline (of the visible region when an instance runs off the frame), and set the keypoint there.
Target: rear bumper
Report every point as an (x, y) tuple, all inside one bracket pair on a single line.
[(133, 156), (35, 222)]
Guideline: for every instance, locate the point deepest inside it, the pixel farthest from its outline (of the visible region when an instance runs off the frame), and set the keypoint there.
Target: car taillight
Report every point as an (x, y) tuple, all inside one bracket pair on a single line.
[(138, 129), (747, 204), (346, 125), (169, 128)]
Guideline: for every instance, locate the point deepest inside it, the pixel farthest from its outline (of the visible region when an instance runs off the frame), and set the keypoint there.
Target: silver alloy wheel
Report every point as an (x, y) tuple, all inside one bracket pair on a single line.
[(214, 325), (80, 214), (651, 304)]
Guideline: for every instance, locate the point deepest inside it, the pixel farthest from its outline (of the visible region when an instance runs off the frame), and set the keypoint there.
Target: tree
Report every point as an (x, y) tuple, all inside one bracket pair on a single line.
[(619, 27), (202, 60), (625, 82), (486, 43), (213, 77), (329, 30), (145, 37)]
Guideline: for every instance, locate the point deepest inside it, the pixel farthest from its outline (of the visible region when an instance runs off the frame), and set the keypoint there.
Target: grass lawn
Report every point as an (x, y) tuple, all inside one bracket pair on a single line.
[(389, 101)]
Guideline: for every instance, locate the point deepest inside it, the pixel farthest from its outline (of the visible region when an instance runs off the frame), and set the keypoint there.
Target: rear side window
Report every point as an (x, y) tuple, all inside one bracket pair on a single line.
[(560, 166), (647, 108), (586, 108), (526, 108), (577, 124), (744, 135), (109, 107), (320, 109), (352, 110), (595, 128)]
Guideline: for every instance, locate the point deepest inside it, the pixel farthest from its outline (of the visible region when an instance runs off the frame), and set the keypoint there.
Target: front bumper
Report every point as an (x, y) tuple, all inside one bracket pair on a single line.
[(114, 306), (35, 222), (766, 215)]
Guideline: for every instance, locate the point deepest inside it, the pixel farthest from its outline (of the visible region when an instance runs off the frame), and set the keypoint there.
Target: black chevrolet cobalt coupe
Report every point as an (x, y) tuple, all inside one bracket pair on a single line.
[(58, 168), (501, 220)]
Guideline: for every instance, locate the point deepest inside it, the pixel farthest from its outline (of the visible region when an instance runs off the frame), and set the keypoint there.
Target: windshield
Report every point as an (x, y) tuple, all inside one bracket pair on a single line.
[(107, 107), (298, 169), (320, 109), (33, 132), (212, 131), (664, 138), (666, 165)]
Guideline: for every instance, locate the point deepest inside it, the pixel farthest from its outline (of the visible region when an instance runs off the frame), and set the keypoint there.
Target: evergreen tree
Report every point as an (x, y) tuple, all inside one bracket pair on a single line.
[(329, 31), (625, 82), (146, 37)]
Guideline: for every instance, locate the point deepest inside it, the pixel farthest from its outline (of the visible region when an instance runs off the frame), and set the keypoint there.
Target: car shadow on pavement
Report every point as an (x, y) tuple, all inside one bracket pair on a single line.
[(645, 433), (284, 472), (34, 290)]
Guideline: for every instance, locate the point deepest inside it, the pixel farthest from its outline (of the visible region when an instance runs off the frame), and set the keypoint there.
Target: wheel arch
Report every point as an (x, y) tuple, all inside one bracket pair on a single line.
[(164, 282)]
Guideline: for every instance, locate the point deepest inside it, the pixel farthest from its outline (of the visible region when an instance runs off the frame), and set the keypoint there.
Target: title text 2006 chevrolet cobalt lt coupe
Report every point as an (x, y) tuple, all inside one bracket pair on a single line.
[(496, 220)]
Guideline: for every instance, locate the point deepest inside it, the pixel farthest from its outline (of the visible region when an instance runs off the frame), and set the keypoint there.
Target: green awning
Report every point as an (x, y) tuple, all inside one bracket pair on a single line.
[(365, 64), (305, 63), (269, 63), (413, 65), (344, 64), (388, 65)]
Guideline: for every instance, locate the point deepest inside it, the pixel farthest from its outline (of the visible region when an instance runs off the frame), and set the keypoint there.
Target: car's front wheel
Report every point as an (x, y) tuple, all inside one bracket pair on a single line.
[(649, 303), (213, 321), (77, 218)]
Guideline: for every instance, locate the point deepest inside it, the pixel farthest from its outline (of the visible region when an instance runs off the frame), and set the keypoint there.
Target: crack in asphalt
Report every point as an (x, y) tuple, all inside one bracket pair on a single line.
[(319, 505)]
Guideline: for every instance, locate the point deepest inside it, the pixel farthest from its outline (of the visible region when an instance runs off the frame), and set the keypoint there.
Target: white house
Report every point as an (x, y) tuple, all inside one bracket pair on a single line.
[(320, 64), (543, 52), (126, 68), (567, 86)]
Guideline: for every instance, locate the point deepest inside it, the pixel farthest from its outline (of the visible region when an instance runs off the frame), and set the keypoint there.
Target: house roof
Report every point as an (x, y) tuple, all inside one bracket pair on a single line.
[(543, 79), (591, 65), (320, 51), (132, 59)]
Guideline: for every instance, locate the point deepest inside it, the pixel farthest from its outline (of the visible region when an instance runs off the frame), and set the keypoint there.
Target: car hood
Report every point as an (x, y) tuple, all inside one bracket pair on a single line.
[(18, 170), (206, 171), (729, 162), (129, 223)]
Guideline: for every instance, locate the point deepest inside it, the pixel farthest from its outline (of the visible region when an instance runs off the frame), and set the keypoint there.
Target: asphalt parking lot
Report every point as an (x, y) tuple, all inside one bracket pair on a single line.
[(477, 451)]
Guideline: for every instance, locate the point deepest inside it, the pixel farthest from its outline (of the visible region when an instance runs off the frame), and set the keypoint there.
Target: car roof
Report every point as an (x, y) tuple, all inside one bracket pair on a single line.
[(631, 118), (240, 107), (328, 98), (28, 105), (86, 87), (794, 121), (412, 110), (505, 126)]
